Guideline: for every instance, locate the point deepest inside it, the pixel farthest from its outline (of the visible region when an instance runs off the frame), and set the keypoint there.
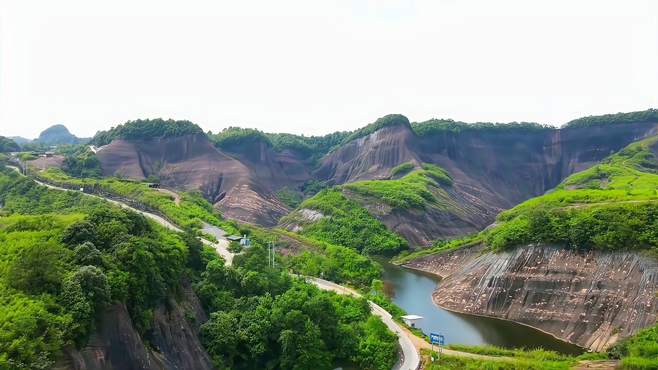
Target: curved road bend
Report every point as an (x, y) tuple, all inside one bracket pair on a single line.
[(409, 360)]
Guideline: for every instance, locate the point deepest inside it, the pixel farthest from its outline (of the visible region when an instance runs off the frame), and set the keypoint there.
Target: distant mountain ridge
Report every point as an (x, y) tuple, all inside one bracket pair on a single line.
[(494, 166)]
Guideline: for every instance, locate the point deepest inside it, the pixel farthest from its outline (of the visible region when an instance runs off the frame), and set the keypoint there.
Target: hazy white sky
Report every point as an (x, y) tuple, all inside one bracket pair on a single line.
[(319, 66)]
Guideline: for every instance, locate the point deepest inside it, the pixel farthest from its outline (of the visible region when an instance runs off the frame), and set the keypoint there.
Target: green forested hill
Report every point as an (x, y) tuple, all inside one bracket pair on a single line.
[(66, 256)]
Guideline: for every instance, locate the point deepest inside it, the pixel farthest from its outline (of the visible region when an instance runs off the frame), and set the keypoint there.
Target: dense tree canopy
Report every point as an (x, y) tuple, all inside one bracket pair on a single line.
[(146, 129), (8, 145), (649, 115)]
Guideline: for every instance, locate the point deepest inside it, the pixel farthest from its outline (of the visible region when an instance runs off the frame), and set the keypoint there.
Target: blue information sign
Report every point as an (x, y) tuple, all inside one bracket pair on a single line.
[(437, 339)]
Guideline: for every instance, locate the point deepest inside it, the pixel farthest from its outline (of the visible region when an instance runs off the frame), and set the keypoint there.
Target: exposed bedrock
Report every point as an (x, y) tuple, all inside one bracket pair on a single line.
[(590, 298), (173, 341), (191, 162)]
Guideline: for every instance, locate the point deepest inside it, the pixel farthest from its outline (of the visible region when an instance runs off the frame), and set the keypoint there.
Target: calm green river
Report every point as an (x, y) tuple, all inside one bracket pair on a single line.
[(412, 290)]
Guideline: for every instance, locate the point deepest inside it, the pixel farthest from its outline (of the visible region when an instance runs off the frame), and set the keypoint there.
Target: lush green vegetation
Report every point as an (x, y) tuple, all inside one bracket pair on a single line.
[(146, 129), (56, 135), (348, 224), (313, 147), (415, 190), (8, 145), (613, 205), (64, 257), (189, 213), (649, 115), (233, 137), (332, 262), (443, 126), (262, 318), (509, 359), (75, 254), (81, 162), (289, 197), (639, 351)]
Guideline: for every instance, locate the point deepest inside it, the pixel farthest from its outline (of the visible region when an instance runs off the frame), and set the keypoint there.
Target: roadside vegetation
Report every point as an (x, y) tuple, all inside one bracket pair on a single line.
[(261, 317), (189, 213)]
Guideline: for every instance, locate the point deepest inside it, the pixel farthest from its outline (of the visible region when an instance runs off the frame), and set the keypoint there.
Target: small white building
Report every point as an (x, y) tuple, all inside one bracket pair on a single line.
[(411, 320)]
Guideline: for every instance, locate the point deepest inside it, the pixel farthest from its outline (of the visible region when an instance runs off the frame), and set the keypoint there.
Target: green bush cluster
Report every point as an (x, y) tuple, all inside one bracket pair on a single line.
[(349, 225)]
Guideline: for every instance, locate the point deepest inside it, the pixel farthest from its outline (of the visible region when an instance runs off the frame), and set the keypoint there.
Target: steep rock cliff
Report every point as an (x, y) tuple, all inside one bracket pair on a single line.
[(173, 341), (192, 162), (492, 169), (590, 298)]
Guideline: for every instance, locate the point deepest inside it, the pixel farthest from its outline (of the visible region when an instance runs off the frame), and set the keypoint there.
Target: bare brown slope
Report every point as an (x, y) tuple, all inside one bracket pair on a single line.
[(492, 169), (191, 162)]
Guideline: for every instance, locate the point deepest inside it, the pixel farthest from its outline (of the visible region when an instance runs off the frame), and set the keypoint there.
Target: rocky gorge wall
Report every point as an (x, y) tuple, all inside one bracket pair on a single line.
[(589, 298), (171, 343)]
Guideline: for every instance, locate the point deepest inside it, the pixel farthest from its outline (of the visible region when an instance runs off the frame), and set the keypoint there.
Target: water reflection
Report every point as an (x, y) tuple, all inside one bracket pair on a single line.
[(412, 290)]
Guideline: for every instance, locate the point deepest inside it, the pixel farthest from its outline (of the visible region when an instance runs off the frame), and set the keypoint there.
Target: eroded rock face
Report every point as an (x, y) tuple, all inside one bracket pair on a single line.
[(192, 162), (173, 340), (492, 170), (590, 298)]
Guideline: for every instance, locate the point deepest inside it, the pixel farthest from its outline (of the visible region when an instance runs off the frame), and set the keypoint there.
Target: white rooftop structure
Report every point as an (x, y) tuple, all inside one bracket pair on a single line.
[(411, 320)]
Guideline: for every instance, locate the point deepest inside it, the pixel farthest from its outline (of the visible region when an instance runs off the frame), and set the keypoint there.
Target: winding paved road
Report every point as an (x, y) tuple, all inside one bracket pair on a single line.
[(222, 243), (410, 359)]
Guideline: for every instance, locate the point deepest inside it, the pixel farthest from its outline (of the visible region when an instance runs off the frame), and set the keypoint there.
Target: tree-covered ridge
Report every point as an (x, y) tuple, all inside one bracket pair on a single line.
[(442, 126), (146, 129), (63, 258), (232, 138), (645, 116), (346, 223), (416, 189), (57, 135), (8, 145)]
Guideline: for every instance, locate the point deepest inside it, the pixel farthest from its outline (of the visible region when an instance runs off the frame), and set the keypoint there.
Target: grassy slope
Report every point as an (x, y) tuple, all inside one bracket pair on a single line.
[(347, 224), (416, 189)]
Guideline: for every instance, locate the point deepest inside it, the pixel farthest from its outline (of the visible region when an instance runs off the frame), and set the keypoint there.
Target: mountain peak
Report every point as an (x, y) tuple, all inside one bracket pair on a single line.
[(57, 134)]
